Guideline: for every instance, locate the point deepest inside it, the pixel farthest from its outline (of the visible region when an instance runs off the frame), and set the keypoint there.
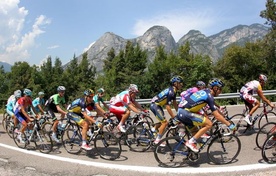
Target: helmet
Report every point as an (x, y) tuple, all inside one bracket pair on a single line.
[(176, 79), (262, 78), (200, 84), (133, 88), (100, 90), (88, 92), (216, 82), (17, 92), (40, 93), (61, 88), (27, 92)]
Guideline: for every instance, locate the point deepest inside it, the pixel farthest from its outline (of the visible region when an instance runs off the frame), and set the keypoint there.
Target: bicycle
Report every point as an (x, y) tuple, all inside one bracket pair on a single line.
[(264, 117), (105, 143), (223, 148), (269, 149), (43, 143), (264, 132)]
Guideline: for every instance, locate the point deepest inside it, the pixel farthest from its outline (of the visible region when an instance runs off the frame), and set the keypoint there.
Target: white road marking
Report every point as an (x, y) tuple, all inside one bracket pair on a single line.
[(147, 169)]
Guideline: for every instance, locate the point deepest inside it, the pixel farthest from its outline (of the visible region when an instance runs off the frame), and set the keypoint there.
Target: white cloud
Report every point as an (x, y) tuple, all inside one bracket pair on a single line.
[(15, 45), (86, 49), (53, 47), (178, 22)]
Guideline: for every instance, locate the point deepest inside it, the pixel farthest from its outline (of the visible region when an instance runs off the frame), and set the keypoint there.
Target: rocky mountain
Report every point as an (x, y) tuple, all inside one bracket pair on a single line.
[(6, 66), (213, 46)]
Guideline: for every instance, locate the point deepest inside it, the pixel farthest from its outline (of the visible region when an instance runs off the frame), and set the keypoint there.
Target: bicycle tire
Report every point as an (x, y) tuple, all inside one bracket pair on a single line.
[(220, 148), (43, 142), (17, 141), (71, 139), (107, 146), (263, 133), (180, 130), (269, 149), (270, 116), (241, 127), (4, 119), (9, 128), (173, 154), (46, 129), (138, 138)]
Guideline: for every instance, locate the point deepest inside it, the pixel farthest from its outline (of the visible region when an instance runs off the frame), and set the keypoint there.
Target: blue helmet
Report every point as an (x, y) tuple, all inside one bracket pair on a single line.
[(88, 92), (27, 92), (176, 79), (200, 84), (216, 82)]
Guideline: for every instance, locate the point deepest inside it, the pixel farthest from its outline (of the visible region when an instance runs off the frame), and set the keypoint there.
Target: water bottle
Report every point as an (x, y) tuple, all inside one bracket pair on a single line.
[(61, 126), (255, 118), (89, 133), (181, 133)]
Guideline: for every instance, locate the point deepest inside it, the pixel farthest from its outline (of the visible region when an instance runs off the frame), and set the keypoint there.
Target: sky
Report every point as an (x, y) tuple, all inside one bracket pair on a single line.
[(32, 30)]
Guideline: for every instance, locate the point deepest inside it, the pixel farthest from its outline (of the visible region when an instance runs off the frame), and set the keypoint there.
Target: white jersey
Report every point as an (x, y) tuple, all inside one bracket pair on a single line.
[(11, 98), (121, 99), (251, 87)]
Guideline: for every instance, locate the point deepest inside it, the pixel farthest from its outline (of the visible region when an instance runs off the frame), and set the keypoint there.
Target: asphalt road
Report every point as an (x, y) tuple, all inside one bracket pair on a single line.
[(15, 161)]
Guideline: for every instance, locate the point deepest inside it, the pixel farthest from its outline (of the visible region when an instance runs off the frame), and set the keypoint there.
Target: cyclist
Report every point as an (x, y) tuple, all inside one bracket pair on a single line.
[(246, 94), (39, 103), (122, 103), (21, 111), (56, 104), (192, 104), (99, 99), (165, 98), (79, 111), (10, 105)]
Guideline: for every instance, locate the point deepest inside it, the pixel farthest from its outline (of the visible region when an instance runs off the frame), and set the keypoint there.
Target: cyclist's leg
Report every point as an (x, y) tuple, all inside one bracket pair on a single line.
[(191, 120), (159, 114), (51, 111), (122, 113), (23, 121)]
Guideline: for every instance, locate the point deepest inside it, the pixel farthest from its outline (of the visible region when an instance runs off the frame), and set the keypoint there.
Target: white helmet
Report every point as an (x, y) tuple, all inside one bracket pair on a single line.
[(262, 78), (133, 88)]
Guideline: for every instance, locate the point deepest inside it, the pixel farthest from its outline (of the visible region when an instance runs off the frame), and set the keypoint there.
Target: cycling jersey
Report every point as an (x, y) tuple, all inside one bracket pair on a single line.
[(10, 103), (80, 105), (97, 99), (121, 99), (198, 100), (248, 90), (165, 97), (23, 102), (251, 87), (51, 105), (186, 93), (38, 101)]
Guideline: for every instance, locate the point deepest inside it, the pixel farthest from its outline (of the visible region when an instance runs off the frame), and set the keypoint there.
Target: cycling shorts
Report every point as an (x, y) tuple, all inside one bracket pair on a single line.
[(158, 112), (189, 118), (75, 117)]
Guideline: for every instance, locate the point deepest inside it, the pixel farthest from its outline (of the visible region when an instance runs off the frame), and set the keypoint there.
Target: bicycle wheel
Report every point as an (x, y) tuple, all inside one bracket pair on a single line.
[(46, 129), (71, 139), (269, 149), (224, 149), (4, 119), (270, 116), (241, 127), (139, 138), (173, 154), (9, 128), (107, 146), (264, 131), (16, 140), (43, 142)]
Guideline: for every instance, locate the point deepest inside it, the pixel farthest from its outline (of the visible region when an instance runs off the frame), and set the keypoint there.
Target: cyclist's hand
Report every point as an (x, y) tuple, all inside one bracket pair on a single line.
[(107, 113), (232, 127)]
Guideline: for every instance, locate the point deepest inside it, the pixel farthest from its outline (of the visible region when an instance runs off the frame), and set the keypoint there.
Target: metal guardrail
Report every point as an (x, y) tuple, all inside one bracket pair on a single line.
[(221, 96)]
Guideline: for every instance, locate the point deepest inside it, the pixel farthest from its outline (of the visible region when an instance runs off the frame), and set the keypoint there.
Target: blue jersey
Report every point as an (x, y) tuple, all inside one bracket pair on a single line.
[(198, 100), (11, 102), (38, 101), (165, 97)]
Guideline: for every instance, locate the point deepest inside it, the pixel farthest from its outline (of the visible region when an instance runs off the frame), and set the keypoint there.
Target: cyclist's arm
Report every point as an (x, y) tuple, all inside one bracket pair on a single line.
[(133, 108), (26, 114), (175, 105), (60, 110), (99, 109), (87, 117), (41, 109), (220, 118), (261, 95)]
